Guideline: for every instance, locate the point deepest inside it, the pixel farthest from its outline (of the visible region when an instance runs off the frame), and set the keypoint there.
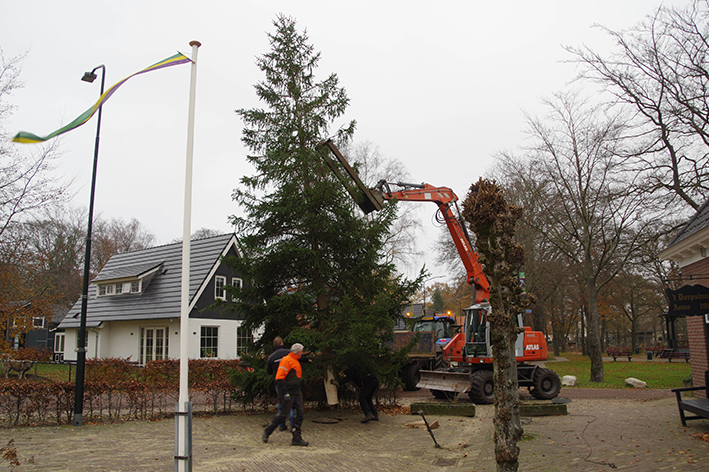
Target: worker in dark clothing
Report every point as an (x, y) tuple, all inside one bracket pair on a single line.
[(288, 378), (280, 351), (368, 384)]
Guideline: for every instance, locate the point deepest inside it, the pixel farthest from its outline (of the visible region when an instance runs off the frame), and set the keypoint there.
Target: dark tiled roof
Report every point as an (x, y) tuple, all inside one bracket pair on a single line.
[(59, 312), (699, 221), (161, 299), (126, 271)]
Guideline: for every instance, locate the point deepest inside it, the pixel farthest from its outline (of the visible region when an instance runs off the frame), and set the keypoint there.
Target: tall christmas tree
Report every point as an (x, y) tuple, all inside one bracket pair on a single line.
[(313, 265)]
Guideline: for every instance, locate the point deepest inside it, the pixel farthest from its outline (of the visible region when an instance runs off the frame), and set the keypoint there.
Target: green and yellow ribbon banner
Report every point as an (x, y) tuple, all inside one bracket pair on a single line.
[(24, 137)]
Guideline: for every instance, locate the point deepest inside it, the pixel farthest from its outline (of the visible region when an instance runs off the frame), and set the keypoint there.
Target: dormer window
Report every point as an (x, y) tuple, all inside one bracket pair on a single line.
[(118, 288), (126, 280)]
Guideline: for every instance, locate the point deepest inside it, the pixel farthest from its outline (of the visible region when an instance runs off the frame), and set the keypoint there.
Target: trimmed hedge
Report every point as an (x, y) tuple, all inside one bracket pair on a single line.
[(119, 390), (116, 390)]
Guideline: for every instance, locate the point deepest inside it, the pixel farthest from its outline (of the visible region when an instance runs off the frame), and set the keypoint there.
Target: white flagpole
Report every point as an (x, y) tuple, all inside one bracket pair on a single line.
[(183, 415)]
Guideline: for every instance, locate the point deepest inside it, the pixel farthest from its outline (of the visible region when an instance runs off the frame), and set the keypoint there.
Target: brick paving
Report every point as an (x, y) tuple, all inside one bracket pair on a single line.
[(637, 430)]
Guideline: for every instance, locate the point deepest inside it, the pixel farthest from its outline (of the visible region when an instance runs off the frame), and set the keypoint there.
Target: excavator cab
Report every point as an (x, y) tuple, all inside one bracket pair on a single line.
[(477, 332)]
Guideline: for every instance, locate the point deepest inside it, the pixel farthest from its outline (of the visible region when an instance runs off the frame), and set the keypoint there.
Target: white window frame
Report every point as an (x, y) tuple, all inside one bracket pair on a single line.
[(236, 282), (213, 345), (219, 283), (41, 324), (159, 346), (242, 347), (59, 342), (120, 288)]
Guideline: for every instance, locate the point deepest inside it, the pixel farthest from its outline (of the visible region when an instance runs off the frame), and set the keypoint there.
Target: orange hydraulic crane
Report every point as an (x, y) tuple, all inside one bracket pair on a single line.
[(371, 199)]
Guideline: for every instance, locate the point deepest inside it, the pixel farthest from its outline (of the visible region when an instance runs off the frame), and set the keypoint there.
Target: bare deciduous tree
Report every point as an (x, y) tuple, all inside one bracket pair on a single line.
[(201, 233), (586, 207), (116, 236), (658, 71), (57, 240), (26, 183), (400, 245)]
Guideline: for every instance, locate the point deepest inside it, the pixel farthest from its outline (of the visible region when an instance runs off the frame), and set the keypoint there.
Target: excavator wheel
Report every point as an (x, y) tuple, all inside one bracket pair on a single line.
[(482, 388), (546, 384)]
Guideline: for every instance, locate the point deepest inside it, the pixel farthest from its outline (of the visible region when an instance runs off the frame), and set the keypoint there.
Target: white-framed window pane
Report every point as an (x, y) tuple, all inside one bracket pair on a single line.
[(119, 288), (59, 342), (243, 338), (219, 283), (102, 290), (135, 287), (236, 282), (38, 322), (159, 343), (209, 341), (109, 289), (153, 344), (149, 344)]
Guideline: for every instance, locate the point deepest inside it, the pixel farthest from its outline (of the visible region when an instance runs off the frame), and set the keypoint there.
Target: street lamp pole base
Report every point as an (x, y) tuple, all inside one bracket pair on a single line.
[(78, 421)]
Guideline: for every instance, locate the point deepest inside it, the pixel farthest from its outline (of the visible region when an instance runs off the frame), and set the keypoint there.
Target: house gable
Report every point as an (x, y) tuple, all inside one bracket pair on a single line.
[(206, 295)]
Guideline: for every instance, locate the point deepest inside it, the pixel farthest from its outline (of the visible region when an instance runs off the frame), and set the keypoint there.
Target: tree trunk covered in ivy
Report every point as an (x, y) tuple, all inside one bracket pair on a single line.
[(493, 221), (312, 265)]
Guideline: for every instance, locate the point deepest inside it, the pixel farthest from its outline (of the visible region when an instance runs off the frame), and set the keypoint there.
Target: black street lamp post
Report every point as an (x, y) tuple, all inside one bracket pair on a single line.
[(423, 309), (81, 351)]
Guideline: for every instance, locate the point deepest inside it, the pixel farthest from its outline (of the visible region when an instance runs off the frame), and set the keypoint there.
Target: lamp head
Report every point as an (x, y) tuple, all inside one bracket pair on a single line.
[(89, 77)]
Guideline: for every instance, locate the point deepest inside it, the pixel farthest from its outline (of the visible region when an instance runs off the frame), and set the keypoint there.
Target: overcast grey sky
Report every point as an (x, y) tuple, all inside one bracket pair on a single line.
[(439, 86)]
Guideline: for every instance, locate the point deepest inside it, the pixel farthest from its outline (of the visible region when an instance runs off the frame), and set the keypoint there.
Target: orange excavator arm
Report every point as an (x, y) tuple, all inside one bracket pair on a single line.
[(370, 199), (446, 200)]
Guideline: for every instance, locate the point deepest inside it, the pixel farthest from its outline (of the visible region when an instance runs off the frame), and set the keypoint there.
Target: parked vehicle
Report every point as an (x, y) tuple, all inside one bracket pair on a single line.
[(433, 333)]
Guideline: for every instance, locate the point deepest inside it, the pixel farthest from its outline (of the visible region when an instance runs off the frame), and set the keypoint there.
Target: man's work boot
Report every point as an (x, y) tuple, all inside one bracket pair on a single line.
[(298, 440), (376, 416), (264, 436), (368, 418), (283, 427)]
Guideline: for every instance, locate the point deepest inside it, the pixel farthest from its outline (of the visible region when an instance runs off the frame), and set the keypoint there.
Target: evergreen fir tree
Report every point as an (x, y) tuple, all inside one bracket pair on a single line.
[(312, 265)]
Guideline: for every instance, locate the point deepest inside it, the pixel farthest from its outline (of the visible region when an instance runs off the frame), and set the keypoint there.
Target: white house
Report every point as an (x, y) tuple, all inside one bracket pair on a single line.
[(134, 306)]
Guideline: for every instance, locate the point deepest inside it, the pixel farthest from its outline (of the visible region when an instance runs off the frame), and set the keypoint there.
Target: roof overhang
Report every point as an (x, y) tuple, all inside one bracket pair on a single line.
[(127, 274), (688, 250)]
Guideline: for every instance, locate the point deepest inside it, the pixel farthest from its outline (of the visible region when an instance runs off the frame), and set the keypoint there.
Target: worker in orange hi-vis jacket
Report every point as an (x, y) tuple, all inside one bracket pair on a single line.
[(288, 378)]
